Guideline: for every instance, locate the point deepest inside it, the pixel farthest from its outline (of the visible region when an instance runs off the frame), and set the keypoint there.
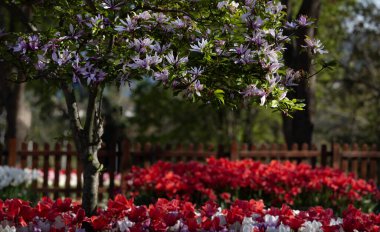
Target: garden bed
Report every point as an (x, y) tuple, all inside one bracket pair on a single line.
[(277, 183), (176, 215)]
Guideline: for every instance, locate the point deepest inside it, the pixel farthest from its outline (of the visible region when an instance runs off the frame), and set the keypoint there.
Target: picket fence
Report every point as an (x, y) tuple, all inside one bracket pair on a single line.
[(61, 170)]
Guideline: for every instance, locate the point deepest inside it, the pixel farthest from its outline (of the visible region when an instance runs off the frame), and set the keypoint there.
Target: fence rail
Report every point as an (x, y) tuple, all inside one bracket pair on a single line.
[(363, 161)]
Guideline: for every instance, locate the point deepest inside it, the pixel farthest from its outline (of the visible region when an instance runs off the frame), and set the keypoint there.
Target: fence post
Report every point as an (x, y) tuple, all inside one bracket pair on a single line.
[(234, 150), (12, 152), (336, 156), (125, 162), (111, 150), (324, 155)]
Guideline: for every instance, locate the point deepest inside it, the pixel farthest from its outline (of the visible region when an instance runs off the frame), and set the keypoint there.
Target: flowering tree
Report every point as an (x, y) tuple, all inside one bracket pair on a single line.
[(217, 52)]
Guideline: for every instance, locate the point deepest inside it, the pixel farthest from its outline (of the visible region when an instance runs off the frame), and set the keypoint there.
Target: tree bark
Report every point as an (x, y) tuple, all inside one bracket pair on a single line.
[(299, 129), (87, 140)]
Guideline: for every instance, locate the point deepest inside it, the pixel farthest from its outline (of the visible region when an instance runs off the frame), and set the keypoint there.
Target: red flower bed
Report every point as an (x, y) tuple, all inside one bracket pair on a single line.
[(175, 215), (276, 183)]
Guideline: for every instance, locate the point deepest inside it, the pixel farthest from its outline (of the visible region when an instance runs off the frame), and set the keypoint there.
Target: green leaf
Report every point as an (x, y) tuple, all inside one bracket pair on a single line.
[(219, 94), (274, 104)]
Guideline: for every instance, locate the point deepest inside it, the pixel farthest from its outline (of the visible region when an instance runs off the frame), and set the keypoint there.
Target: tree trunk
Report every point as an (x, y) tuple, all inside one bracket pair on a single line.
[(91, 168), (249, 115), (87, 140), (299, 129)]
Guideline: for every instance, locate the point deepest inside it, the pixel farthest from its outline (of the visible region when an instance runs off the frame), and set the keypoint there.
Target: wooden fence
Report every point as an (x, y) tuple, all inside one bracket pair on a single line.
[(364, 162)]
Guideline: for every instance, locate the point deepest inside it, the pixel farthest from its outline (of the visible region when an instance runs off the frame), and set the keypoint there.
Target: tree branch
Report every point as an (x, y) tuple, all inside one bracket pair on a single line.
[(72, 108), (90, 113), (156, 9)]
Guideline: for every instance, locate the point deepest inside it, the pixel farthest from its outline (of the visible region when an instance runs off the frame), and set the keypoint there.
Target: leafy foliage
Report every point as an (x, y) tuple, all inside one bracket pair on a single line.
[(217, 52)]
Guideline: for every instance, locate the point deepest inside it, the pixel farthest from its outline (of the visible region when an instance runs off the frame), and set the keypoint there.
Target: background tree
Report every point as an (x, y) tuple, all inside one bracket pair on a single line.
[(299, 129), (158, 116), (355, 81), (13, 18)]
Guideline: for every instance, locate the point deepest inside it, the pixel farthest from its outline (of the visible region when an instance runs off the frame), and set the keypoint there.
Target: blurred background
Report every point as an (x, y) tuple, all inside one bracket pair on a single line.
[(343, 102)]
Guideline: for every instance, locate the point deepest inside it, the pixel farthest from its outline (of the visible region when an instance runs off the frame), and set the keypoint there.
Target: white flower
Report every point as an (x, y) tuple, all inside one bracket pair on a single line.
[(313, 226), (222, 4), (162, 76), (247, 225), (125, 224), (335, 222), (176, 60), (7, 229), (200, 46), (61, 57), (196, 71), (178, 23), (271, 220), (221, 216), (284, 228), (14, 177), (145, 15), (128, 25)]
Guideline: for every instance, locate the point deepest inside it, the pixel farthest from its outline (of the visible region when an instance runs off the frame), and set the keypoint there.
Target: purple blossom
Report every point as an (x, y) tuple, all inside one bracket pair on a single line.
[(240, 50), (274, 8), (314, 45), (198, 87), (252, 91), (160, 48), (145, 15), (196, 71), (160, 17), (34, 42), (111, 4), (92, 74), (176, 61), (270, 54), (250, 3), (41, 62), (141, 45), (178, 23), (283, 95), (255, 24), (200, 46), (303, 21), (273, 80), (145, 63), (62, 57), (290, 77), (162, 76), (76, 69), (21, 46), (222, 4), (74, 34), (51, 45), (274, 67), (96, 21), (291, 25), (128, 25), (256, 38), (246, 58)]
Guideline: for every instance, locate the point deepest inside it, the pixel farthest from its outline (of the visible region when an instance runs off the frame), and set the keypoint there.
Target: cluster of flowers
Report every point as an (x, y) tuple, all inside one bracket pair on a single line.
[(175, 215), (277, 183), (161, 42), (13, 177), (63, 175)]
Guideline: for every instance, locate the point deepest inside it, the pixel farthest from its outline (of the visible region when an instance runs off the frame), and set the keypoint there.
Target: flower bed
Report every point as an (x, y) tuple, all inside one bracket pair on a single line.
[(14, 181), (276, 183), (175, 215)]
